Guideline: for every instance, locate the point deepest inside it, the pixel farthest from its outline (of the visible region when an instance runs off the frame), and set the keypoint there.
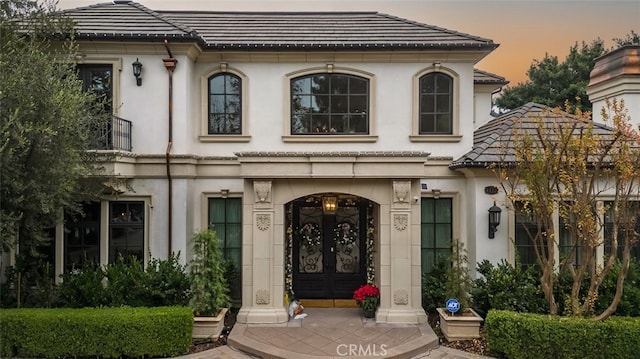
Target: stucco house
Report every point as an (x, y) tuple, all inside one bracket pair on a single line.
[(327, 149)]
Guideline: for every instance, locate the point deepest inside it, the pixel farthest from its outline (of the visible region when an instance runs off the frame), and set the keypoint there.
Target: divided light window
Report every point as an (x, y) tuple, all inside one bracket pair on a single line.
[(329, 104), (225, 218), (126, 230), (225, 104), (98, 79), (436, 104), (526, 227), (82, 237), (436, 230), (608, 231)]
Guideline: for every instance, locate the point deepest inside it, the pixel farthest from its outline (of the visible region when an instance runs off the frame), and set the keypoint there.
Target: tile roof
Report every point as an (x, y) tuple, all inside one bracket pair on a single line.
[(128, 20), (484, 77), (493, 142)]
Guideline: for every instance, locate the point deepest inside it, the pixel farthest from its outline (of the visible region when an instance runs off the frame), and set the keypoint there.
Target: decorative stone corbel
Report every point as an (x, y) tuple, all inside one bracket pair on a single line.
[(401, 191), (262, 190)]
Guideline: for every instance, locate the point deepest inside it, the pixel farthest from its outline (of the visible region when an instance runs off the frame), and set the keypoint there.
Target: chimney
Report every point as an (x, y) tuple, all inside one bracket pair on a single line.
[(617, 75)]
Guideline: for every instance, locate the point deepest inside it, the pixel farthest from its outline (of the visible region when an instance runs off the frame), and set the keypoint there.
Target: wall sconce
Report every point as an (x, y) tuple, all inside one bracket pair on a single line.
[(494, 220), (137, 70), (329, 204)]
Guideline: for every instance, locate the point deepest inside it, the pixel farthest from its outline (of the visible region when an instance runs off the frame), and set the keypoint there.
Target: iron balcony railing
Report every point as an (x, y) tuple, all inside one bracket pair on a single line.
[(115, 135)]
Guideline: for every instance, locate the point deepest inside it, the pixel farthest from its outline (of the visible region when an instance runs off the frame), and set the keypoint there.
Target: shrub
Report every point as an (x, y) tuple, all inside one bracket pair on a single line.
[(434, 285), (126, 283), (508, 287), (209, 288), (168, 282), (163, 283), (83, 288), (525, 335), (91, 332)]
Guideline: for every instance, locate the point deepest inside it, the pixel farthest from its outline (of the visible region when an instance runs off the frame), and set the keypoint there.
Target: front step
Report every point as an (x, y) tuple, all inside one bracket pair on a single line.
[(328, 303)]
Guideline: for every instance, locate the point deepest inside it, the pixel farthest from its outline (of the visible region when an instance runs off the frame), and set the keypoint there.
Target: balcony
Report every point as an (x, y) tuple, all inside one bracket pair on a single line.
[(115, 135)]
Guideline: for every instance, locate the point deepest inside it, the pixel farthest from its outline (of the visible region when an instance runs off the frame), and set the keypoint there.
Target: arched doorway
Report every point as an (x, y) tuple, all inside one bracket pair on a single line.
[(331, 244)]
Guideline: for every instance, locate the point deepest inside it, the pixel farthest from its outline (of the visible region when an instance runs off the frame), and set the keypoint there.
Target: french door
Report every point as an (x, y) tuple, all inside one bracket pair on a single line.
[(329, 248)]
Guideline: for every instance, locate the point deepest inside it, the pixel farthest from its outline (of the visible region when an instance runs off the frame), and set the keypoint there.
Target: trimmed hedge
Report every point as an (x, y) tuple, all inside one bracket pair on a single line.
[(95, 332), (523, 335)]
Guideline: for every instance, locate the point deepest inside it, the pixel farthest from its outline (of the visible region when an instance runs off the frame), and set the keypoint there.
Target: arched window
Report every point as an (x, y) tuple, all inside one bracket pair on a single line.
[(329, 104), (225, 104), (436, 104)]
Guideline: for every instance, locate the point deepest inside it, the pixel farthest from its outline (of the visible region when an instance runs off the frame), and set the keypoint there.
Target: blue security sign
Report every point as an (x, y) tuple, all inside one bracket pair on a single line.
[(453, 305)]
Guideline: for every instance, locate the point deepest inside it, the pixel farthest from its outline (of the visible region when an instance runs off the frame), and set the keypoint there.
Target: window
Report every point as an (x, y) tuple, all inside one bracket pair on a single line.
[(566, 243), (526, 227), (225, 104), (436, 230), (225, 218), (82, 237), (98, 79), (436, 104), (126, 230), (608, 230), (329, 104)]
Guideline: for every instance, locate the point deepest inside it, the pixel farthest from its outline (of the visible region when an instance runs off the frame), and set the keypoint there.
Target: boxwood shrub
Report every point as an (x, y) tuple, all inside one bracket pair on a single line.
[(95, 332), (523, 335)]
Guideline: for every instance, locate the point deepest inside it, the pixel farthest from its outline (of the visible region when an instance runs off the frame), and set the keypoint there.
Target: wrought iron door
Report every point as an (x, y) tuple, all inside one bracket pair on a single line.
[(328, 249)]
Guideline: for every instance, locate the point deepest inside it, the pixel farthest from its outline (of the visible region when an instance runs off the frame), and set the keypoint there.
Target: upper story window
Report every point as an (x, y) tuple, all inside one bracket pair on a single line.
[(329, 104), (98, 79), (225, 104), (436, 104)]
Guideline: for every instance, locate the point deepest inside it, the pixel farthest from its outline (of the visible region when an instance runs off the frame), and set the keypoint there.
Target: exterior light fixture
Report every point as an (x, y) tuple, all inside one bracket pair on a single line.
[(137, 70), (494, 220), (329, 204)]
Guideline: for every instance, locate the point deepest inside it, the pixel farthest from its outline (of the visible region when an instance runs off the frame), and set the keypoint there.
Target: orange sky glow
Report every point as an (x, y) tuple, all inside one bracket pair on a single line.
[(525, 30)]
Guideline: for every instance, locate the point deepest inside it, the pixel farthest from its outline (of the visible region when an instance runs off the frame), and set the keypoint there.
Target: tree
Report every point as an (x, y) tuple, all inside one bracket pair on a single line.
[(565, 164), (632, 38), (45, 126), (552, 82)]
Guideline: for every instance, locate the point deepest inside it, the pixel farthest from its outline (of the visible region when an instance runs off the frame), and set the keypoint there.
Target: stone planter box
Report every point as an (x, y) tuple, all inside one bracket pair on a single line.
[(461, 326), (208, 327)]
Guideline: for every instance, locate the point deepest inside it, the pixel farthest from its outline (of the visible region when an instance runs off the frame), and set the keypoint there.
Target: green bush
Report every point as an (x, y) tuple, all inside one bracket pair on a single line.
[(168, 282), (126, 282), (434, 285), (508, 287), (629, 303), (524, 335), (83, 288), (91, 332)]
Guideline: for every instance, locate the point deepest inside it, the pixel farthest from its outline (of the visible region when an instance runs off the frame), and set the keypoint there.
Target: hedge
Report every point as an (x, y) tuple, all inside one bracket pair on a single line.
[(95, 332), (523, 335)]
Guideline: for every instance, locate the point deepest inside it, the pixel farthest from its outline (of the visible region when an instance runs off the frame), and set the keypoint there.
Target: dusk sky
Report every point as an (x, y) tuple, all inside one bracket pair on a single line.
[(525, 30)]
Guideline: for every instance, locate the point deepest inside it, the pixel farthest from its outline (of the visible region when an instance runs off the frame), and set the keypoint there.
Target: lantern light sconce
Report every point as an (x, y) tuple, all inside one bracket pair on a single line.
[(329, 204), (494, 220), (137, 70)]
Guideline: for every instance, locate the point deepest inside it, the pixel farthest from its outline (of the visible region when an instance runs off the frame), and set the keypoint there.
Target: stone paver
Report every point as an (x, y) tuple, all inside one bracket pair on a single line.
[(327, 333)]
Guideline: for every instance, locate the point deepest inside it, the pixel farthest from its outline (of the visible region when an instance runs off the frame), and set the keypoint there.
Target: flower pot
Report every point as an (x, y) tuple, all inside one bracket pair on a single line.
[(208, 327), (369, 313), (461, 326)]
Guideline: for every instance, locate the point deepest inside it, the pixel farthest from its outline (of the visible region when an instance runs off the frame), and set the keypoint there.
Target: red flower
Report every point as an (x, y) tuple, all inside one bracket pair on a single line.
[(367, 296)]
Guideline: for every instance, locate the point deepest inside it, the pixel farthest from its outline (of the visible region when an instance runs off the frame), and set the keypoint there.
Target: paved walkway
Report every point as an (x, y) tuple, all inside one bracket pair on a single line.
[(332, 333)]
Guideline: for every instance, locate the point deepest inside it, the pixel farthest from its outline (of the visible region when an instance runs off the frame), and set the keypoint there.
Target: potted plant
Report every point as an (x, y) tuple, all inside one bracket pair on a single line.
[(458, 321), (209, 297), (367, 297)]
